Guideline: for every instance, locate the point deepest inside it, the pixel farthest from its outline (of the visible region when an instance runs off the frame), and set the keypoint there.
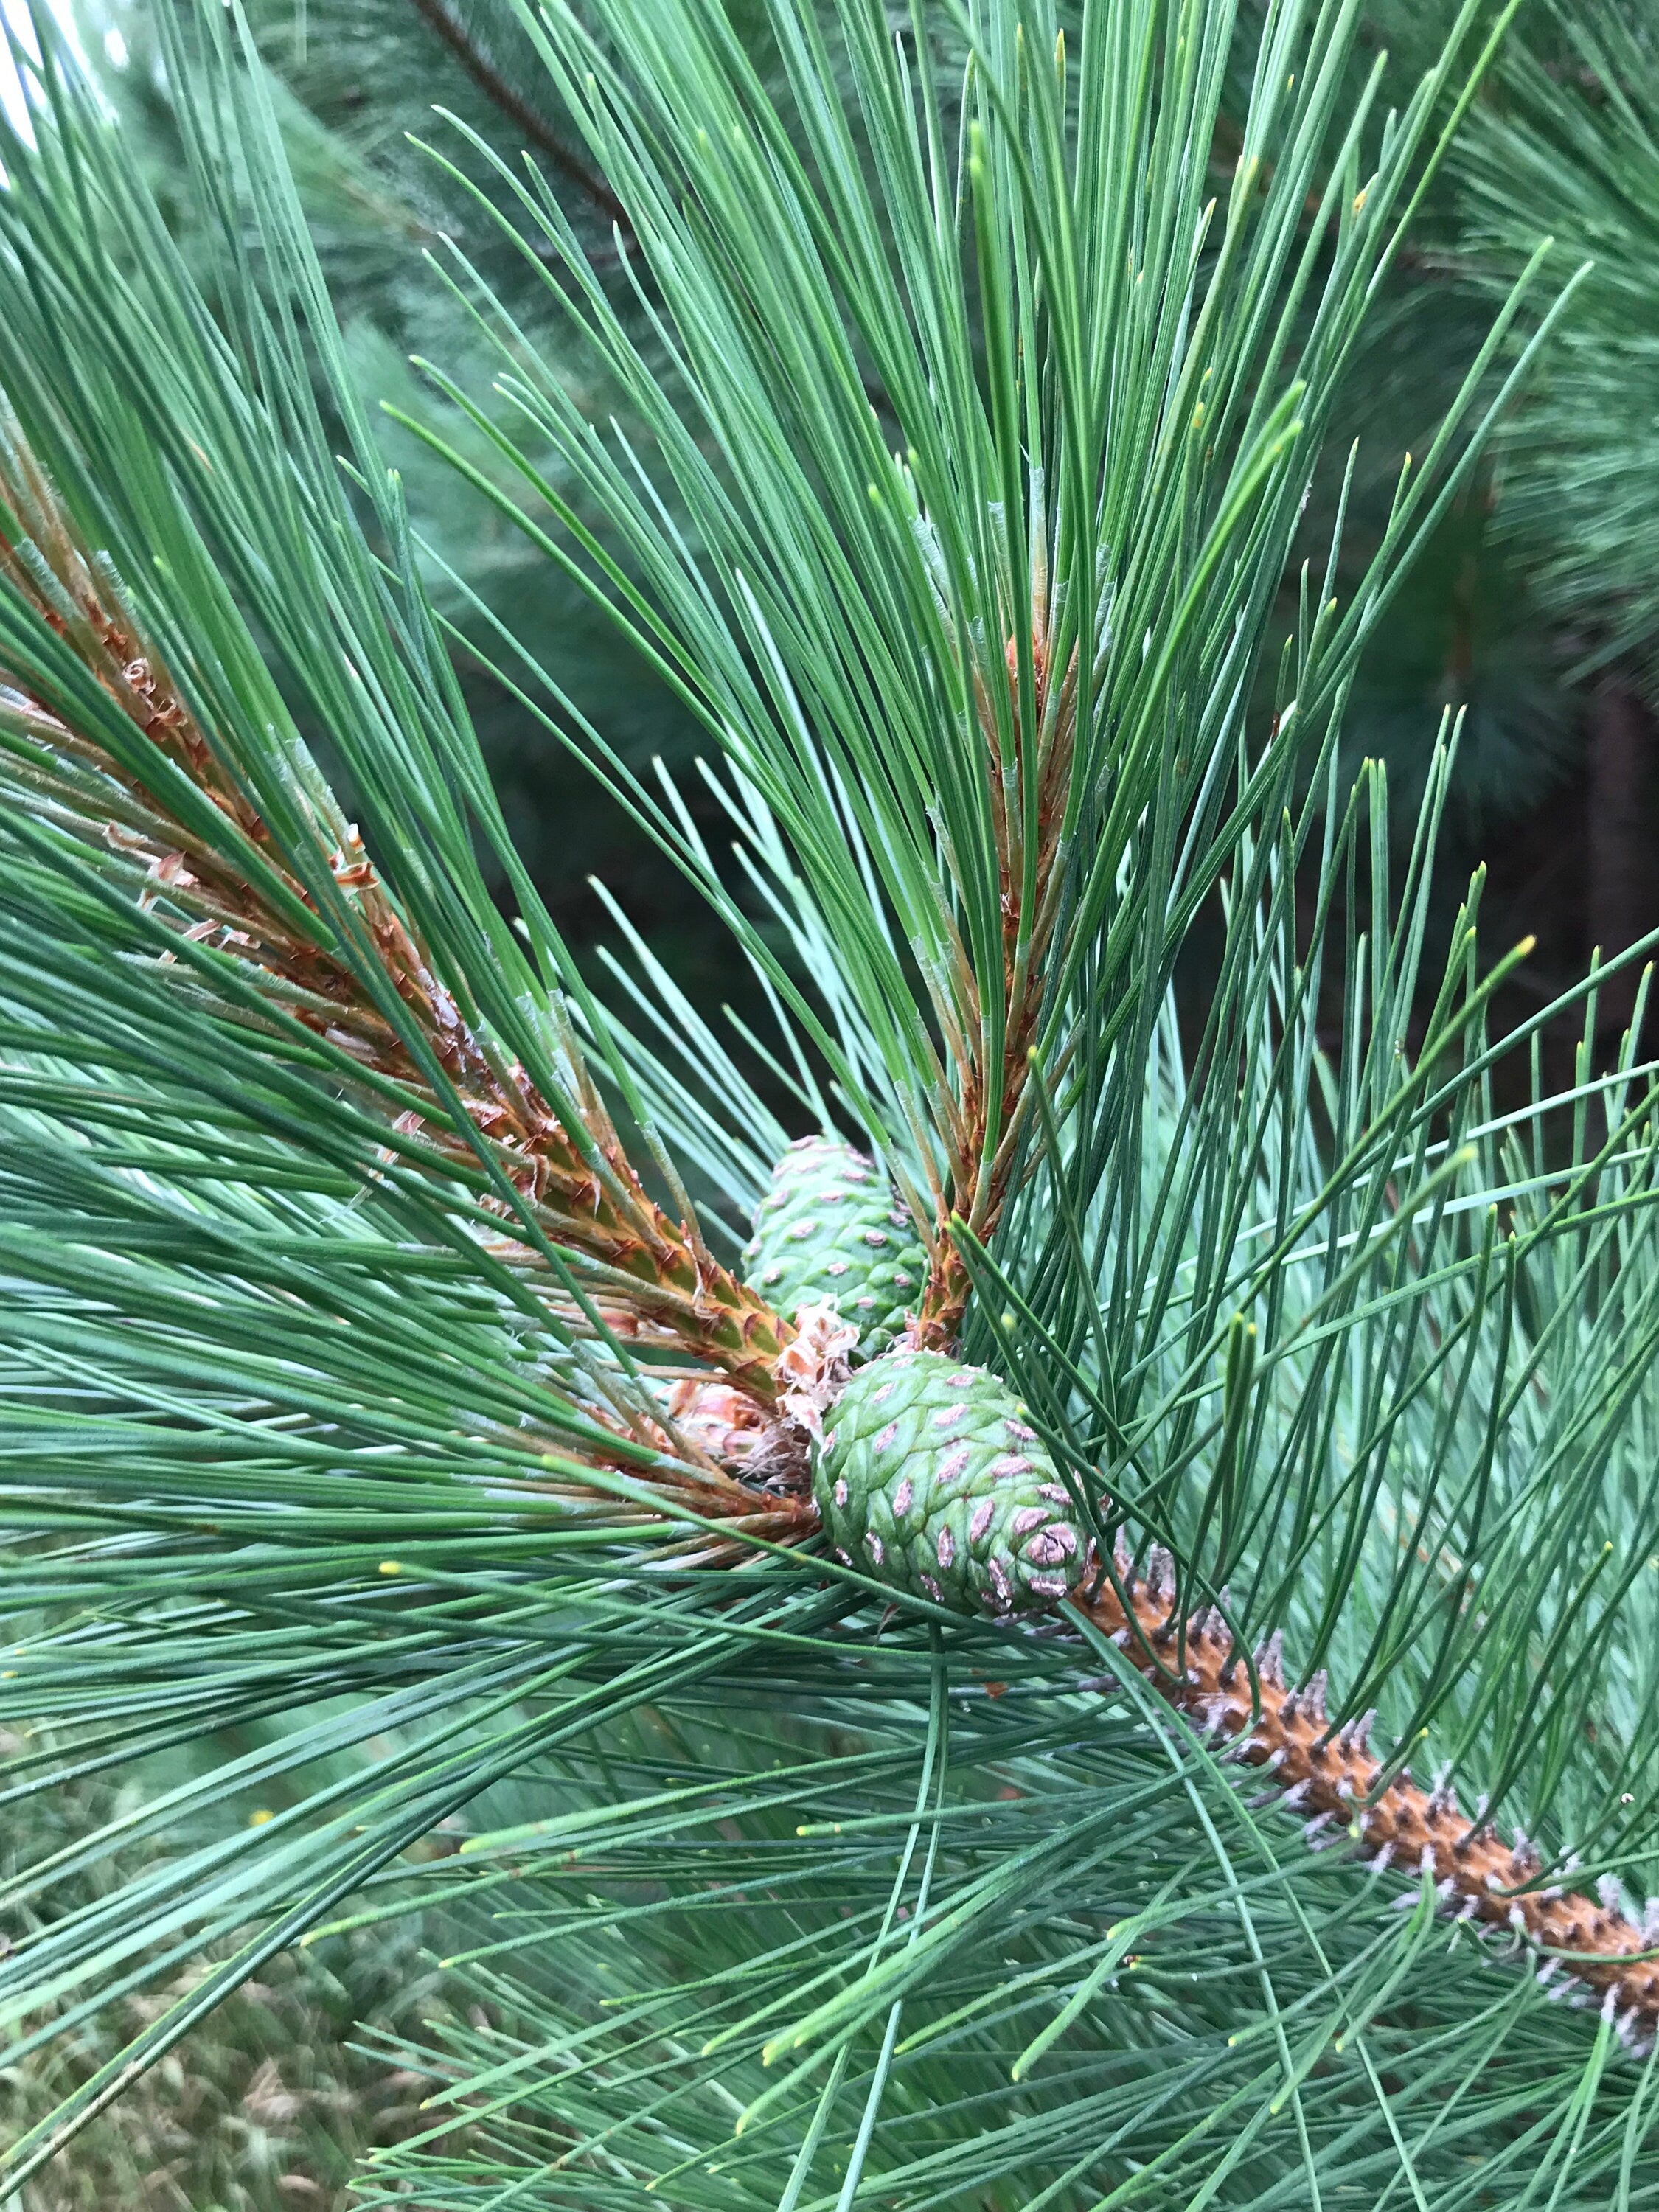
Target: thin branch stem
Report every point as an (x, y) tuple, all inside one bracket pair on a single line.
[(513, 104)]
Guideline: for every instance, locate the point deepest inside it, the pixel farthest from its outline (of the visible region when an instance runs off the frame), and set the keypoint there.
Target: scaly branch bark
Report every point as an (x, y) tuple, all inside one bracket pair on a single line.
[(982, 1154), (1329, 1776), (657, 1272)]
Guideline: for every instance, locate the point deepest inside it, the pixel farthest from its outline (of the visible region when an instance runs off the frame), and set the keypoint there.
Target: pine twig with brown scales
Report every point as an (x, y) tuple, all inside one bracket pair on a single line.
[(1330, 1777), (656, 1278), (651, 1277), (984, 1122), (1327, 1774)]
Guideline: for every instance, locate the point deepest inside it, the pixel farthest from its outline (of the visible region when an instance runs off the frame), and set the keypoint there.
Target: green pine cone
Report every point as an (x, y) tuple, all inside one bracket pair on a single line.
[(830, 1229), (930, 1479)]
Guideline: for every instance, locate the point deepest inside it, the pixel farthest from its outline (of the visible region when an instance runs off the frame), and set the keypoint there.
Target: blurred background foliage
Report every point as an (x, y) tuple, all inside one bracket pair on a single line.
[(1534, 612), (275, 2100)]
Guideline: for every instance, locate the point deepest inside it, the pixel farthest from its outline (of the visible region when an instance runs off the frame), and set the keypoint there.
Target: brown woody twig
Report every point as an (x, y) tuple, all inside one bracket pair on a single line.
[(513, 104), (653, 1272), (1329, 1776)]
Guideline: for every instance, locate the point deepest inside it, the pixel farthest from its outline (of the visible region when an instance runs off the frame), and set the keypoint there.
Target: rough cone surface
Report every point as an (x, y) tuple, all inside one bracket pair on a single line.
[(831, 1231), (932, 1478)]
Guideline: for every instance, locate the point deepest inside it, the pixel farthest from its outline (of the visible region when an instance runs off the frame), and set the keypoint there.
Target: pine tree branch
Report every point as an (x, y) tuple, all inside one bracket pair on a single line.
[(1329, 1778), (985, 1136), (495, 87), (235, 892)]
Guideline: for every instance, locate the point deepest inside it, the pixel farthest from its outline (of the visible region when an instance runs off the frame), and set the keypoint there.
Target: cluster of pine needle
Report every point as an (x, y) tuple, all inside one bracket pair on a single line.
[(1021, 1594)]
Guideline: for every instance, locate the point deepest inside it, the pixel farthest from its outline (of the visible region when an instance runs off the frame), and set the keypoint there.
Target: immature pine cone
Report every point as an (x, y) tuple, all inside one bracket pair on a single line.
[(931, 1479), (830, 1231)]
